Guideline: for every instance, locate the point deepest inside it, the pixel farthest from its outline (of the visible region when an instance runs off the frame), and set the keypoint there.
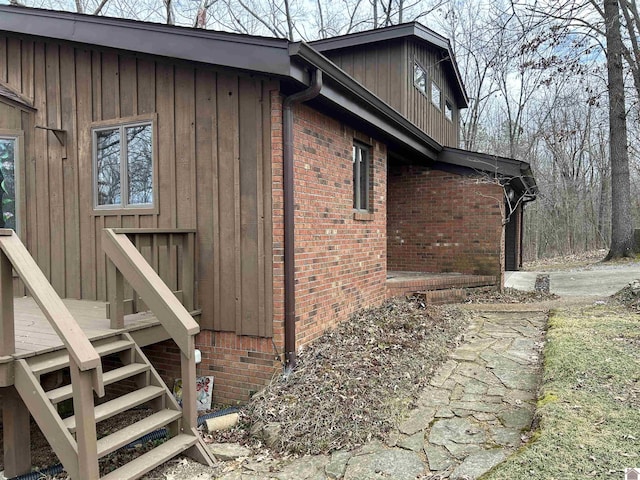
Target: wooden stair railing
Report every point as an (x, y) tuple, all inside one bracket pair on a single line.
[(171, 254), (80, 454), (128, 263)]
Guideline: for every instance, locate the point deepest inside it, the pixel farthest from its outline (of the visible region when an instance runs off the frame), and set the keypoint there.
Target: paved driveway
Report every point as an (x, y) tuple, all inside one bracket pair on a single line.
[(598, 280)]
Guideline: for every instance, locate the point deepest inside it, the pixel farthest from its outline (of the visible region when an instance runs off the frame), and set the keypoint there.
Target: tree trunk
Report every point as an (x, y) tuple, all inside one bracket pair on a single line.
[(621, 220)]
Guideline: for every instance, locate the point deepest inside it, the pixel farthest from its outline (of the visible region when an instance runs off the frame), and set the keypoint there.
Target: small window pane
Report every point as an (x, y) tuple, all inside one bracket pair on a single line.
[(108, 166), (356, 164), (448, 111), (420, 78), (7, 183), (364, 179), (435, 94), (360, 178), (139, 165)]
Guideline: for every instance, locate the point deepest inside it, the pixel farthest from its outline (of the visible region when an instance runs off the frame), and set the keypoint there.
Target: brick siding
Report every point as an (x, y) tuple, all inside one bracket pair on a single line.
[(340, 256), (444, 222)]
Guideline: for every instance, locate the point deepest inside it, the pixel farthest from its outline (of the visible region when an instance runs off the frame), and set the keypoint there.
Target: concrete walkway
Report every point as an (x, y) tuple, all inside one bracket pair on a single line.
[(597, 280), (473, 415)]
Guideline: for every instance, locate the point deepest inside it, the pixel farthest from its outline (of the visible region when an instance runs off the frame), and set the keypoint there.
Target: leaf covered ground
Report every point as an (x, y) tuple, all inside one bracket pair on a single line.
[(354, 383), (508, 295)]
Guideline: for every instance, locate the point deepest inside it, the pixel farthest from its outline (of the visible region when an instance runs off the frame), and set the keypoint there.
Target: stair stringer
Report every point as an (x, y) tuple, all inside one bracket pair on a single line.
[(47, 417), (198, 452)]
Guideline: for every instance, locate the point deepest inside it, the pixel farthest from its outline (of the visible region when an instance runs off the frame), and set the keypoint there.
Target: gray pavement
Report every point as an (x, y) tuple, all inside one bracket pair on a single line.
[(597, 281)]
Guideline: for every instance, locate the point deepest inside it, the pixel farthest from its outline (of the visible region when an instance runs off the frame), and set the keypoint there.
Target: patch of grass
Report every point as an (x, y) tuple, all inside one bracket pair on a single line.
[(589, 409)]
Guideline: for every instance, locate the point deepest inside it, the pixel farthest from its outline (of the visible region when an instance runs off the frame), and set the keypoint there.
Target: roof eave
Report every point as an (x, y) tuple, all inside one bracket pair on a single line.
[(411, 29), (261, 54), (347, 93), (515, 172)]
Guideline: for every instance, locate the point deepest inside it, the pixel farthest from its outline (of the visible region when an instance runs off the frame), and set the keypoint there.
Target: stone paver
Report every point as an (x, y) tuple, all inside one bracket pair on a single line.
[(393, 463), (470, 418)]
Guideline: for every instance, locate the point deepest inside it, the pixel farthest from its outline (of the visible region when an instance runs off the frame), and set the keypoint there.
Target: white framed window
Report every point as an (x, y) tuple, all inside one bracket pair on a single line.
[(361, 177), (420, 77), (10, 193), (448, 110), (436, 95), (124, 166)]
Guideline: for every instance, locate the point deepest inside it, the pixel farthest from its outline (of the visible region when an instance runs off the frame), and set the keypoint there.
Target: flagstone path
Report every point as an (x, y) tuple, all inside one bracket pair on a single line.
[(474, 414)]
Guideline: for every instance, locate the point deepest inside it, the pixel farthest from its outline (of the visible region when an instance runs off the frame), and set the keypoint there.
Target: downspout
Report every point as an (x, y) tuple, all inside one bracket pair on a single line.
[(289, 213)]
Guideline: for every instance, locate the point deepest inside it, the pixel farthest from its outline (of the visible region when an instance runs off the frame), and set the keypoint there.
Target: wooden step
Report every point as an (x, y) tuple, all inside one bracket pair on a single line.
[(60, 359), (57, 395), (133, 432), (150, 460), (120, 404)]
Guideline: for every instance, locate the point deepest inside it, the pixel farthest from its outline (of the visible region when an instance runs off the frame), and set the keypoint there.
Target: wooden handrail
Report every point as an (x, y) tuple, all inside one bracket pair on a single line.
[(173, 316), (56, 312)]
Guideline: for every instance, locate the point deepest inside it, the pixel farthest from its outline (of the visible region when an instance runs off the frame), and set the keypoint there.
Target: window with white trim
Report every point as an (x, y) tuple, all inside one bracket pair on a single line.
[(420, 77), (123, 165), (436, 95), (448, 110), (361, 166)]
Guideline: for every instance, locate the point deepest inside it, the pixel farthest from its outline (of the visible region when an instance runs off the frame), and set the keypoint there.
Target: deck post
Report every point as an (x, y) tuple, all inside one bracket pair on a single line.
[(7, 329), (17, 433), (188, 373), (86, 437), (188, 274), (116, 296)]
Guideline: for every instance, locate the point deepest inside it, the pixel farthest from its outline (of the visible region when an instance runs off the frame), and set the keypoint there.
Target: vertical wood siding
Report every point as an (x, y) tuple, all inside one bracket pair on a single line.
[(378, 67), (387, 70), (214, 154), (420, 109)]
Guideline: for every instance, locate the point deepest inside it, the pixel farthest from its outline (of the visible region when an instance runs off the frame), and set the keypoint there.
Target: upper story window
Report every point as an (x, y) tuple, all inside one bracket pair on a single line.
[(123, 160), (420, 77), (448, 111), (436, 95), (361, 166)]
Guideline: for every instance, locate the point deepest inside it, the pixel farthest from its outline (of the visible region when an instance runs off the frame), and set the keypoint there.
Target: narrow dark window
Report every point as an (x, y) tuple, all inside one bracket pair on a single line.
[(123, 160), (420, 77), (448, 111), (360, 177)]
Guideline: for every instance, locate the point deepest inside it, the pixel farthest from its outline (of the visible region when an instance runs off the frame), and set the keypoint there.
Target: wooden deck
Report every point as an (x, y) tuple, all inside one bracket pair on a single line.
[(34, 335)]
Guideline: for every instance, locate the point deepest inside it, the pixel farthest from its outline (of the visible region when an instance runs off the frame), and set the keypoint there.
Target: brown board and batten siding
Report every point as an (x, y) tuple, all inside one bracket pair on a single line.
[(420, 109), (379, 67), (386, 68), (213, 169)]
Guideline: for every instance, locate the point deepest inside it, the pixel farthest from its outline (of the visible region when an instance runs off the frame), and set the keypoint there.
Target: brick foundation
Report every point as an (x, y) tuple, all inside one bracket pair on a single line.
[(444, 222)]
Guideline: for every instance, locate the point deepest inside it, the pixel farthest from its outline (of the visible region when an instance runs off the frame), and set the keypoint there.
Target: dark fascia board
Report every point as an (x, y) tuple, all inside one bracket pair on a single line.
[(345, 92), (245, 52), (265, 55), (516, 172), (11, 97), (404, 30)]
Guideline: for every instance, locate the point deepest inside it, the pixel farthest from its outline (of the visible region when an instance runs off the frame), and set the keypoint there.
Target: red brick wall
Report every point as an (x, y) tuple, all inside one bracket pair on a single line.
[(444, 222), (340, 260)]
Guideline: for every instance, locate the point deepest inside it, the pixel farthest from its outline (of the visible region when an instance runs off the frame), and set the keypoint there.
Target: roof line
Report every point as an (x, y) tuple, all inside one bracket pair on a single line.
[(269, 55), (311, 56), (410, 29)]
